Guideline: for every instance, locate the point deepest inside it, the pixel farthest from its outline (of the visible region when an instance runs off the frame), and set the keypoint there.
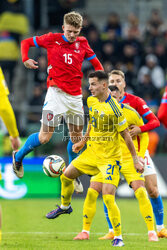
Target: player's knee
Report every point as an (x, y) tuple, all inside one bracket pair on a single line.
[(44, 139), (141, 193), (153, 192), (109, 200), (92, 194)]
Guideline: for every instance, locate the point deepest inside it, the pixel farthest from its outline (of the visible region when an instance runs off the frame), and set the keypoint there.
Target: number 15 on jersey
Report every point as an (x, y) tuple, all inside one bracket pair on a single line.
[(68, 58)]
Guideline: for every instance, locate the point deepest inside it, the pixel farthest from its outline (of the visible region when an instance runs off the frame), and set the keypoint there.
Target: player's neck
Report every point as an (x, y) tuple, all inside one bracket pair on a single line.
[(103, 97)]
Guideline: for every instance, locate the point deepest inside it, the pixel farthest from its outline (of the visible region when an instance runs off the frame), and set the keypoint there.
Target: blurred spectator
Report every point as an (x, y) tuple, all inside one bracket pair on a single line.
[(95, 42), (155, 20), (9, 55), (35, 105), (113, 23), (132, 26), (155, 71), (108, 53), (160, 52), (107, 65), (153, 36), (145, 87), (13, 24), (132, 50), (40, 75)]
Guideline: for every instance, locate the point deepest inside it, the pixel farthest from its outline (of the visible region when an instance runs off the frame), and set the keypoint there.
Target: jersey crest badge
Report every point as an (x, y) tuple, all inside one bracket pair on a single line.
[(77, 44), (49, 116)]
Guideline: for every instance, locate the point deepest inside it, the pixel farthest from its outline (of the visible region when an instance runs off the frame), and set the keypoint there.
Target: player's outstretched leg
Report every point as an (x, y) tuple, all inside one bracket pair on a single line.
[(31, 143), (89, 211), (67, 189), (78, 187), (110, 234)]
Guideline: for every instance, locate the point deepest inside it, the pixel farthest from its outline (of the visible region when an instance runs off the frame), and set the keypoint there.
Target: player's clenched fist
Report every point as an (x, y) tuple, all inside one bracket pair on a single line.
[(31, 64), (78, 146)]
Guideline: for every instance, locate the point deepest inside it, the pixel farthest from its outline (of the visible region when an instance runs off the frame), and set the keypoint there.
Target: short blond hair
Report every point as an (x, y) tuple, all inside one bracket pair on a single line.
[(74, 19), (117, 72)]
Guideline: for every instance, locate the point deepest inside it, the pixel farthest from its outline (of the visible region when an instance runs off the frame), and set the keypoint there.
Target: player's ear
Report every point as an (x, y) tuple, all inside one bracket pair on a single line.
[(63, 27)]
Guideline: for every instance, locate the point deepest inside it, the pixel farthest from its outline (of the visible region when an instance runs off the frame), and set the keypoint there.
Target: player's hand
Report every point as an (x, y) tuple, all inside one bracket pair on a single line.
[(141, 160), (15, 142), (78, 146), (135, 130), (31, 64), (139, 165)]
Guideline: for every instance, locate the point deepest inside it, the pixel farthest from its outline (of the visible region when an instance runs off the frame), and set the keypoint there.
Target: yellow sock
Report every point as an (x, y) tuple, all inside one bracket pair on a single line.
[(145, 207), (113, 213), (67, 189), (89, 209)]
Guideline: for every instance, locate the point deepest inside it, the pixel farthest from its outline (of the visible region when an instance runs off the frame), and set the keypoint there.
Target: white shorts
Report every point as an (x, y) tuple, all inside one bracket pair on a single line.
[(59, 104), (149, 167)]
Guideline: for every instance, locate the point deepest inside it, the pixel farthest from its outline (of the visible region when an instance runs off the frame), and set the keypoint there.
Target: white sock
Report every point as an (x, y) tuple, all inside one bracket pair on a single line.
[(86, 231), (111, 230), (159, 227), (118, 237), (64, 207)]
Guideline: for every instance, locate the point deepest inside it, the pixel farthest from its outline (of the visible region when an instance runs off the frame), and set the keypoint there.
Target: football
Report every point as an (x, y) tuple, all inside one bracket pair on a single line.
[(53, 166)]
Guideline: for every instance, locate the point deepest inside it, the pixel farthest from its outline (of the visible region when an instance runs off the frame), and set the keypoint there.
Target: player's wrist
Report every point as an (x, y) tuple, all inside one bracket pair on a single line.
[(135, 159)]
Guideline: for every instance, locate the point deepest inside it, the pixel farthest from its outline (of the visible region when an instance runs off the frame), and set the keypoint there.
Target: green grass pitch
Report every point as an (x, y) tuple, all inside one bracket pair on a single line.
[(24, 226)]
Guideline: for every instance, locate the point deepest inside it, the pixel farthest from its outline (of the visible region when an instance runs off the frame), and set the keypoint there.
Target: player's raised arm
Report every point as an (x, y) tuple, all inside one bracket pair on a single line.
[(96, 64), (25, 45), (128, 140), (162, 112), (151, 121)]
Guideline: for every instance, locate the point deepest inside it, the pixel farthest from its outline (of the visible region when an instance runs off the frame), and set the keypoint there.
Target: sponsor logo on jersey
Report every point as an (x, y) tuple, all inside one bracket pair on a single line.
[(49, 116), (145, 106), (58, 43)]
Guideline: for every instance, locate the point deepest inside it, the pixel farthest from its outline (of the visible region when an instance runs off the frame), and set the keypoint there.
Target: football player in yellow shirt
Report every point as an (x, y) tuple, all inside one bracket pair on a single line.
[(103, 153), (7, 114), (134, 179), (8, 117)]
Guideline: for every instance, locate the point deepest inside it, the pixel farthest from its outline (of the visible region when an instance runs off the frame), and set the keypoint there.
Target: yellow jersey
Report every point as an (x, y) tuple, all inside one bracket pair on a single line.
[(141, 141), (3, 86), (107, 120)]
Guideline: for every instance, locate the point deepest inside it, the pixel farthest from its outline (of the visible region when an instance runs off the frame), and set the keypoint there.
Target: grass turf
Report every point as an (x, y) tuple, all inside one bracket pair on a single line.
[(24, 226)]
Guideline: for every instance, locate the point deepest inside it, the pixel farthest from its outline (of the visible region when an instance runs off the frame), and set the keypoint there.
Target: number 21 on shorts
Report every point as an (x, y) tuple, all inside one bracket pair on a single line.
[(110, 171)]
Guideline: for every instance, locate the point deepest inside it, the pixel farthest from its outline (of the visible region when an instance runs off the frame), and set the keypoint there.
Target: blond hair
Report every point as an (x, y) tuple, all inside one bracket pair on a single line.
[(74, 19), (117, 72)]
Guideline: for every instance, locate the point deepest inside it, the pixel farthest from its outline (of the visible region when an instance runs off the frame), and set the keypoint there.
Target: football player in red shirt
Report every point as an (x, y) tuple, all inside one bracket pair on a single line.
[(162, 112), (117, 78), (66, 53)]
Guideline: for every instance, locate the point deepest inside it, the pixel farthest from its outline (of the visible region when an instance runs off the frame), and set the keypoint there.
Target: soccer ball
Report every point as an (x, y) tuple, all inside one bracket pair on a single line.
[(53, 166)]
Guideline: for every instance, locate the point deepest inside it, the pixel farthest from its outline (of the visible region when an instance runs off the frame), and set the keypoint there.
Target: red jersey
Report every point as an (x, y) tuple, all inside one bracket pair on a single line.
[(162, 112), (141, 107), (64, 59)]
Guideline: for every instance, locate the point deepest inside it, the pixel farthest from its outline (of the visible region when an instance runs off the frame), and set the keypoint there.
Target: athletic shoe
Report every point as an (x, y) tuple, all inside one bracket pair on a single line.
[(162, 233), (152, 236), (82, 236), (78, 187), (58, 211), (108, 236), (17, 166), (118, 243)]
